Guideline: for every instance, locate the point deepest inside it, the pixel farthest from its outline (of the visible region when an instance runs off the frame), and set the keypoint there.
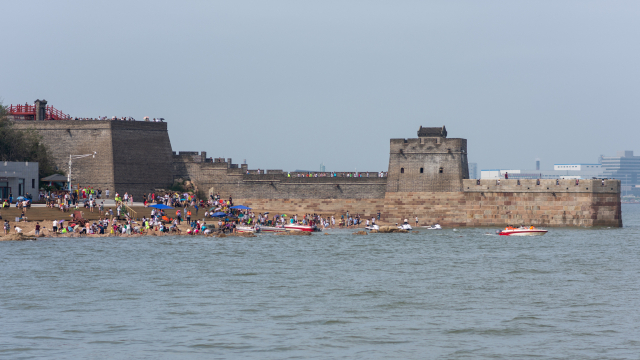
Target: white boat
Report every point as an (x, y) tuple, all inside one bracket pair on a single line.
[(405, 226), (272, 228), (296, 227), (248, 229), (522, 231), (433, 227), (372, 227)]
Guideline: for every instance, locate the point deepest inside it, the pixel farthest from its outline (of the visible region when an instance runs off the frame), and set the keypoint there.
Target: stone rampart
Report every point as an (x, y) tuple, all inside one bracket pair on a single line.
[(488, 204), (585, 205), (366, 208), (132, 156), (427, 164), (64, 138)]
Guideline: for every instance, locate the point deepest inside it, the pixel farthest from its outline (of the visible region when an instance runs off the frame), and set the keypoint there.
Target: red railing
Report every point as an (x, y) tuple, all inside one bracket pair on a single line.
[(28, 112)]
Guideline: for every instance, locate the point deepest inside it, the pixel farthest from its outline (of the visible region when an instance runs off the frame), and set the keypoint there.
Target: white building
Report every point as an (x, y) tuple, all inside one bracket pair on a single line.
[(18, 179), (560, 171)]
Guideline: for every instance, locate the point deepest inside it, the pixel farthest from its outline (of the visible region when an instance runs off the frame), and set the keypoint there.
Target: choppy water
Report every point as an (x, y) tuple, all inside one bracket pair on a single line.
[(574, 293)]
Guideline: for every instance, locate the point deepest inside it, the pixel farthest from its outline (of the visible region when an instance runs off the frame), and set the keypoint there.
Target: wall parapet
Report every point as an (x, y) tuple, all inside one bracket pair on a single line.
[(541, 186)]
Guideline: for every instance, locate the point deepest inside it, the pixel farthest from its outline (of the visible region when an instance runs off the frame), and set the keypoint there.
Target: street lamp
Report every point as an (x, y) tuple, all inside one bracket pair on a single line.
[(71, 157)]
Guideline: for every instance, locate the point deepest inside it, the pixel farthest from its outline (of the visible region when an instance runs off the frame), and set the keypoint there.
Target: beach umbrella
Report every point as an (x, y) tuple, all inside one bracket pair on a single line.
[(161, 206), (218, 214), (240, 207), (20, 198)]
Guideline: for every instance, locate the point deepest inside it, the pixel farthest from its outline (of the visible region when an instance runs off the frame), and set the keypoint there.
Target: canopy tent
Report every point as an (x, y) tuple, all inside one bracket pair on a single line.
[(240, 207), (161, 206)]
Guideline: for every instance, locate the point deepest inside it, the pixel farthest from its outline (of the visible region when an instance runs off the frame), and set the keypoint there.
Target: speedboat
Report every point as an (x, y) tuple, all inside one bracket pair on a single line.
[(372, 227), (247, 229), (272, 229), (521, 231), (433, 227), (297, 227), (405, 226)]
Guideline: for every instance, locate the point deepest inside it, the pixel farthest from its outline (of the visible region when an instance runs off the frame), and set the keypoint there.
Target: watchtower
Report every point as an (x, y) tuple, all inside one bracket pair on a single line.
[(432, 162)]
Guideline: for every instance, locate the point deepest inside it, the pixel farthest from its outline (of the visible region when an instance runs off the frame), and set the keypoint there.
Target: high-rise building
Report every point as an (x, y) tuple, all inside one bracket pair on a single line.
[(473, 170), (322, 167), (538, 164), (624, 167)]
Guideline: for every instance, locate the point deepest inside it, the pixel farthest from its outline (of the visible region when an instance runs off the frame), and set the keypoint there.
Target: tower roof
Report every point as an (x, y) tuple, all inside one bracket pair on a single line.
[(432, 132)]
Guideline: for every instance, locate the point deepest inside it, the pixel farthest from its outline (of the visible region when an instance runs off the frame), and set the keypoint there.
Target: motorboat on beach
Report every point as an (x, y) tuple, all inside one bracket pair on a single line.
[(248, 229), (521, 231), (372, 227), (269, 229), (405, 226), (297, 227), (433, 227)]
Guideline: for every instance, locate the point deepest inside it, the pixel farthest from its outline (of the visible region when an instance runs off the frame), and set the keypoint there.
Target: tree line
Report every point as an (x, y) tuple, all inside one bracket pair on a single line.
[(23, 145)]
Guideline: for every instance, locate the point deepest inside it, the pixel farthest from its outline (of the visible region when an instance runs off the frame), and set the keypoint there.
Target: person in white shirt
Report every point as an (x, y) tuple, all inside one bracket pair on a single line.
[(17, 229)]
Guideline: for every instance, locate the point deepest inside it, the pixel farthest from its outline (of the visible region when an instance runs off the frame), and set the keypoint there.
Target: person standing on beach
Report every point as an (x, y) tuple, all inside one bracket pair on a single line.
[(37, 228), (55, 226), (106, 192), (6, 227)]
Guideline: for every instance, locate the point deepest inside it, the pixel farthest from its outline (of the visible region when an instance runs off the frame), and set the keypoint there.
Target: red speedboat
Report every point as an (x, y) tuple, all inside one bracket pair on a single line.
[(522, 231), (296, 227)]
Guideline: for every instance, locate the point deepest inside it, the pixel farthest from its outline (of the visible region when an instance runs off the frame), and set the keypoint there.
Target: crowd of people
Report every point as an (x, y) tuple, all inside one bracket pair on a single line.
[(116, 118), (324, 174)]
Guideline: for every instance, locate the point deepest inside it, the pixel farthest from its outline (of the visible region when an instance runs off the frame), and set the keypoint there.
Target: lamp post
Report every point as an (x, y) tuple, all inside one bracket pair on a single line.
[(71, 157)]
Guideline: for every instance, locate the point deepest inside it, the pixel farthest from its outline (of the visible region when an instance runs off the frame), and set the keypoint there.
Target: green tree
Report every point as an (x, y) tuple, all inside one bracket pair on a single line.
[(23, 145)]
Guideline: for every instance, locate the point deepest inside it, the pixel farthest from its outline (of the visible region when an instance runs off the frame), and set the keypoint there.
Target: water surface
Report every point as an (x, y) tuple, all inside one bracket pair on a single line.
[(574, 293)]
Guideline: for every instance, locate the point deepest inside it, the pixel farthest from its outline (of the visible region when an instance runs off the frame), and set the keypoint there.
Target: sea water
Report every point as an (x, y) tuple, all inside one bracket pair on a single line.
[(468, 293)]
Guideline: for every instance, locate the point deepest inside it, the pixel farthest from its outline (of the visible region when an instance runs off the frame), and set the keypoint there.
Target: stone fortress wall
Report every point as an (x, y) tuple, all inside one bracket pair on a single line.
[(427, 177), (132, 156)]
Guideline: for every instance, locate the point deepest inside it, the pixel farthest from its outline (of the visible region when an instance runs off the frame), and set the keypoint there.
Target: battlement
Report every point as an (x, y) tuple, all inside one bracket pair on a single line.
[(430, 162), (549, 186)]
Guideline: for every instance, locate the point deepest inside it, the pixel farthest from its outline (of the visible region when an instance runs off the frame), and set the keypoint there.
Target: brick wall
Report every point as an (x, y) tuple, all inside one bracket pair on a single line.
[(443, 162), (132, 156), (64, 138), (587, 204), (142, 157), (366, 208)]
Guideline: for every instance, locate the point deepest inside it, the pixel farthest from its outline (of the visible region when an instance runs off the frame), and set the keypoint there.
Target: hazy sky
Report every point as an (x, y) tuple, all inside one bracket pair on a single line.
[(289, 84)]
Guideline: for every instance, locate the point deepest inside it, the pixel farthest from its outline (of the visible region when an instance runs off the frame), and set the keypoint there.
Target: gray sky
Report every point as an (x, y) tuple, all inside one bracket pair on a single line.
[(289, 84)]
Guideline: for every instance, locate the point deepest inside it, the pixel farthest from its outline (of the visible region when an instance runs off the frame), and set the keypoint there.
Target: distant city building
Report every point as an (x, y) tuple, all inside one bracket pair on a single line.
[(322, 167), (473, 170), (18, 179), (624, 167), (537, 164)]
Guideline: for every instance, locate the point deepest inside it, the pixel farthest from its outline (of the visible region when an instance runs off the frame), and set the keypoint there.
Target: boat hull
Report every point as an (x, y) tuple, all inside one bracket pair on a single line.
[(272, 229), (522, 232), (247, 229), (307, 228)]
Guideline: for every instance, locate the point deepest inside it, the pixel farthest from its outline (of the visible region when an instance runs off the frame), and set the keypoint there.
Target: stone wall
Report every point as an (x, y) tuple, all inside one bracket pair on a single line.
[(427, 164), (366, 208), (142, 160), (64, 138), (132, 156), (586, 204)]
